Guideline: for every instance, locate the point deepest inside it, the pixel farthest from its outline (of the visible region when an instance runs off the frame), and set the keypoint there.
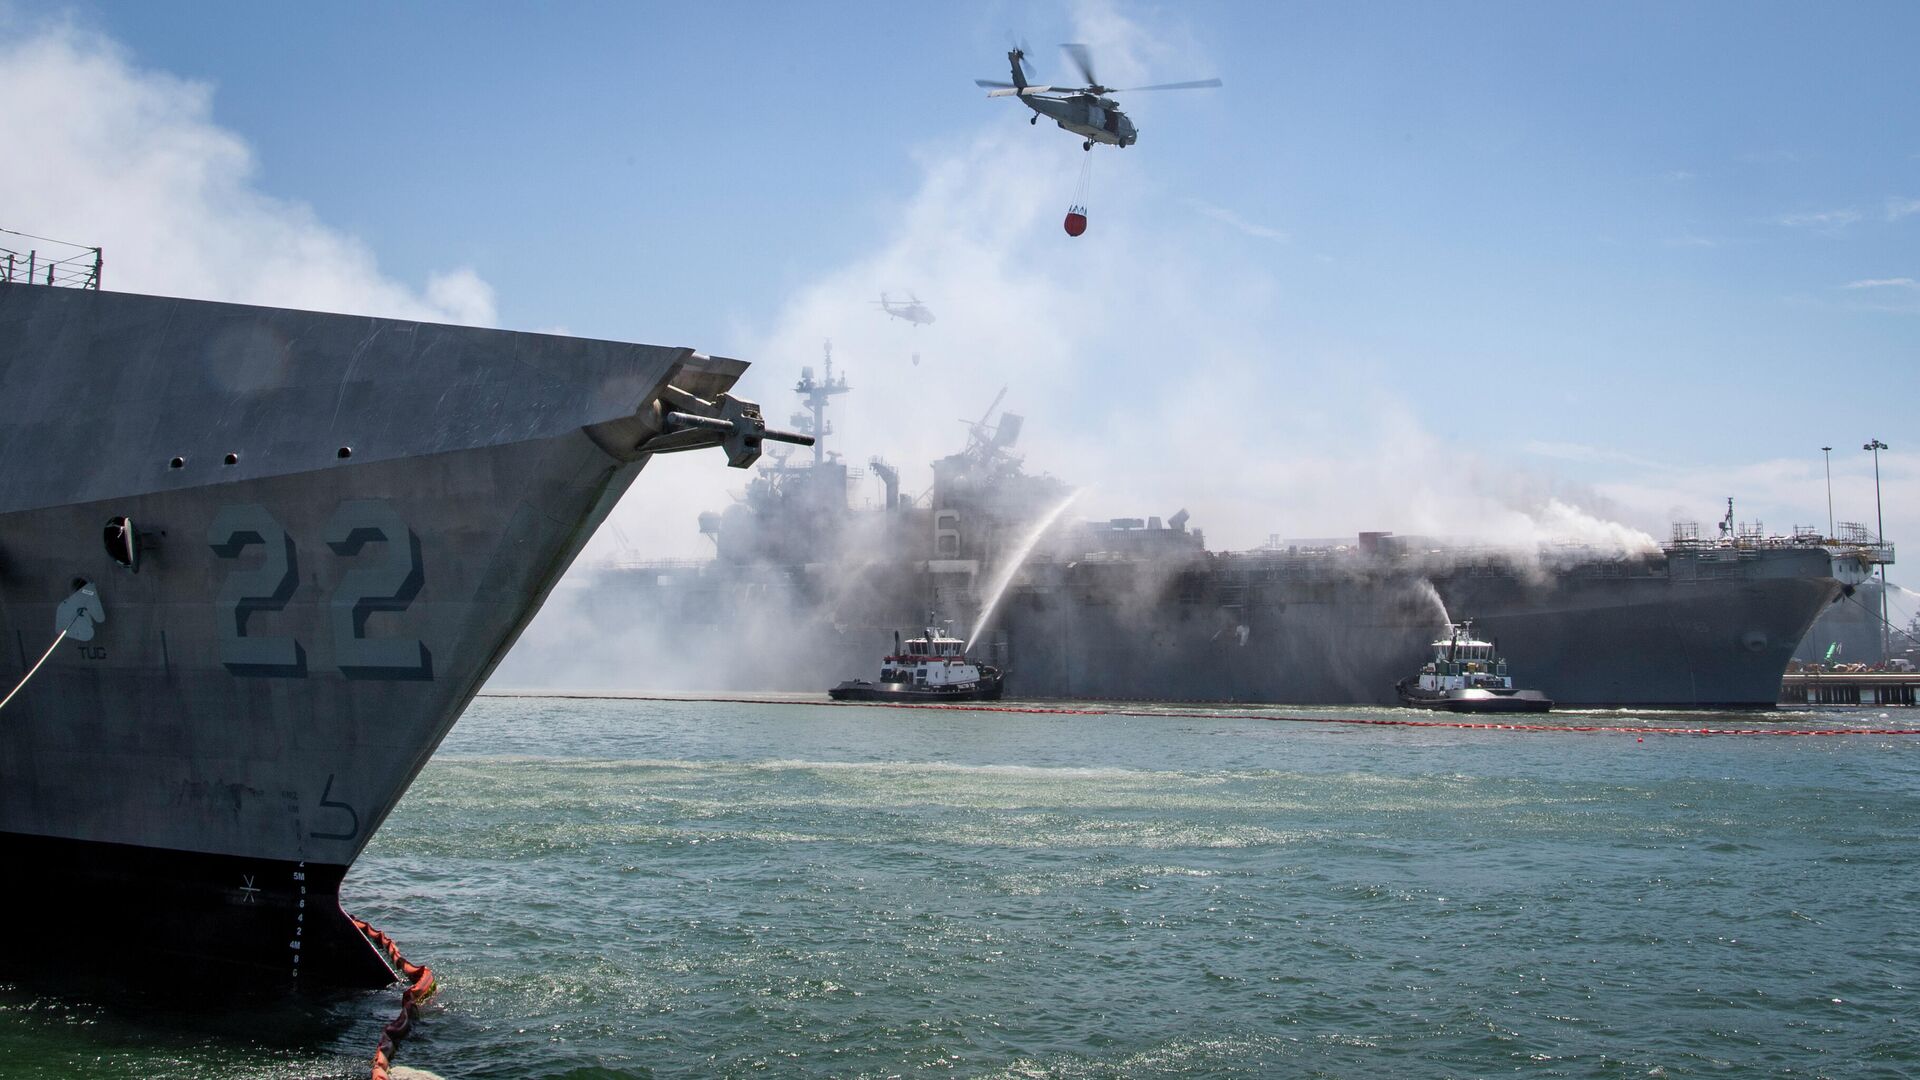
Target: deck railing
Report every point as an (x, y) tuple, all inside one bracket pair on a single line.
[(36, 260)]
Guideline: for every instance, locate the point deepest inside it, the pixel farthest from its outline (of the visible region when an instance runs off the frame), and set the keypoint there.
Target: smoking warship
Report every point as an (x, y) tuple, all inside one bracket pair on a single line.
[(285, 548), (803, 590)]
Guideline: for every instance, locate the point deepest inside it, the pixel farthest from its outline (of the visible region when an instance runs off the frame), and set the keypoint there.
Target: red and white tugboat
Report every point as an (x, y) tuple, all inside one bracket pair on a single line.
[(929, 668), (1467, 675)]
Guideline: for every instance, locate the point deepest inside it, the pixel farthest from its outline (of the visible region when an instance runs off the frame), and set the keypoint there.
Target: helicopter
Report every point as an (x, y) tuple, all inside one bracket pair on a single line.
[(1084, 110), (910, 309)]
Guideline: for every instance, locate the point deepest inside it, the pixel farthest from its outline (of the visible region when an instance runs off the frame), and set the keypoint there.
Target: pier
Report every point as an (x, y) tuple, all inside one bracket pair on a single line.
[(1849, 688)]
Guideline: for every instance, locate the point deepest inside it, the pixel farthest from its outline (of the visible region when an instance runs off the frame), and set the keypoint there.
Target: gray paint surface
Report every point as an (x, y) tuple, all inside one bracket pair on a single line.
[(302, 629)]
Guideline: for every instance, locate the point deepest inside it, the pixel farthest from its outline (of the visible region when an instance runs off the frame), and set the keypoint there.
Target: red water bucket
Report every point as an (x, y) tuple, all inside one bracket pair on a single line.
[(1076, 220)]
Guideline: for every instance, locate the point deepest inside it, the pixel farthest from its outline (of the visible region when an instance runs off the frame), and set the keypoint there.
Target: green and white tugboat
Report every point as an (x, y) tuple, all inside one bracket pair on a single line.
[(1468, 675)]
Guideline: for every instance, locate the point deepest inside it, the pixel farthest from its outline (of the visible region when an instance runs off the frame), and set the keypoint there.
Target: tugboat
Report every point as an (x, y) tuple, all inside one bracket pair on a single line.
[(930, 668), (1467, 675)]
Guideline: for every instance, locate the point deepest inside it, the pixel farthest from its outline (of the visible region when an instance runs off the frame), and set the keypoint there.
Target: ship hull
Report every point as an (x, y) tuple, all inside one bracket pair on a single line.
[(1585, 637), (343, 524), (1659, 632), (1711, 644), (165, 915), (230, 773)]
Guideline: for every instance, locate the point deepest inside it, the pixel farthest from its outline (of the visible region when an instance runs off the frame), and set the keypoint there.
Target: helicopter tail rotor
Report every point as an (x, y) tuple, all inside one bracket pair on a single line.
[(1019, 51), (1016, 63)]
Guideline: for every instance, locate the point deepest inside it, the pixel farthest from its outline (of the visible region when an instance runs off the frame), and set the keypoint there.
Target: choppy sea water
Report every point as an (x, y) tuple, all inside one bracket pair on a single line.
[(632, 888)]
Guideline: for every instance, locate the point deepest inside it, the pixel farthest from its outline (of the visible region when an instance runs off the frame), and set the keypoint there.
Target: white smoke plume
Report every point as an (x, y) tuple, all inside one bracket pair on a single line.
[(1146, 356), (102, 152)]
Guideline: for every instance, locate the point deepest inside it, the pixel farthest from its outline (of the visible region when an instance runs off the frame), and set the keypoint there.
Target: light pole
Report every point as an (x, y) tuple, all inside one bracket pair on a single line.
[(1828, 450), (1880, 535)]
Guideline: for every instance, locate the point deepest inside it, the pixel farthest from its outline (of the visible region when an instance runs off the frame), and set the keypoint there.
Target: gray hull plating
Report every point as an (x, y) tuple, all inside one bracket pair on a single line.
[(343, 525), (1654, 633), (1684, 629)]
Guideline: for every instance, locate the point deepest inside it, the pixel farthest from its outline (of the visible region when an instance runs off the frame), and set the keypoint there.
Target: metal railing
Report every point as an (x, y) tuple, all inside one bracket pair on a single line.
[(59, 263)]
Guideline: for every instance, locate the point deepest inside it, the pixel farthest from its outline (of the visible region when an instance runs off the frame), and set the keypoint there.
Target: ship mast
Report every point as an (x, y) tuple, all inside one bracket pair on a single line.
[(816, 395)]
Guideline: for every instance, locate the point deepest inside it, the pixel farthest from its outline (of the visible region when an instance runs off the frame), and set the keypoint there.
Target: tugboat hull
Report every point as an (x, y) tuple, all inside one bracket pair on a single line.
[(987, 689), (1476, 700)]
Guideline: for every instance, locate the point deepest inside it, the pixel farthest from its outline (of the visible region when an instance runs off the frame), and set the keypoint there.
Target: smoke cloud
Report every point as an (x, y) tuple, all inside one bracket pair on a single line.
[(1152, 361), (101, 152)]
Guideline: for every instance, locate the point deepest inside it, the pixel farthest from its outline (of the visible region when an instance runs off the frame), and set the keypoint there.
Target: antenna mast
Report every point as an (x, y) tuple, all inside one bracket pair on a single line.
[(816, 395)]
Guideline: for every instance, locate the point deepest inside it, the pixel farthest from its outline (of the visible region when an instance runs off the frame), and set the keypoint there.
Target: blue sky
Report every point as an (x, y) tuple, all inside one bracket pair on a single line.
[(1455, 268)]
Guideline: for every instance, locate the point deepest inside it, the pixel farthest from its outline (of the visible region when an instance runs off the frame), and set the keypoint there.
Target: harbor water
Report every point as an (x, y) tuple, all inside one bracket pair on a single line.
[(631, 888)]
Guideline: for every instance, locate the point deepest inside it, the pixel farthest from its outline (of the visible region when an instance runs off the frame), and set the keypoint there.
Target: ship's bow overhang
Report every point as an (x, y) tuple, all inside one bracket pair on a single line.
[(333, 529)]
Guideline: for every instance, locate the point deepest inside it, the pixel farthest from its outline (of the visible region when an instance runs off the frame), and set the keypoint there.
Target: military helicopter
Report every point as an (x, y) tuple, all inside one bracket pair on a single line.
[(1084, 110), (910, 309)]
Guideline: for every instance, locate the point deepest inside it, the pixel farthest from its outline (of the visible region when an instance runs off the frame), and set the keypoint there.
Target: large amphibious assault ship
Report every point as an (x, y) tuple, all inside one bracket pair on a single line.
[(802, 592), (278, 551)]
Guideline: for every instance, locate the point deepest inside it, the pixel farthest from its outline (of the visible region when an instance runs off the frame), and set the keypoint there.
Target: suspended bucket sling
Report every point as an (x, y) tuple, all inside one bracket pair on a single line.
[(1076, 222)]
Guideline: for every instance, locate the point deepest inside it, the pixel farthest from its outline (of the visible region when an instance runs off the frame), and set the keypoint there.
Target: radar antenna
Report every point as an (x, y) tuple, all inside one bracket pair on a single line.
[(981, 432), (816, 395)]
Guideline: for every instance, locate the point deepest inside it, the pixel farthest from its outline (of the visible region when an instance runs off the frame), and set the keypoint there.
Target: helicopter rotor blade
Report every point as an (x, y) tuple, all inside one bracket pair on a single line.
[(1021, 91), (993, 82), (1201, 84), (1084, 61)]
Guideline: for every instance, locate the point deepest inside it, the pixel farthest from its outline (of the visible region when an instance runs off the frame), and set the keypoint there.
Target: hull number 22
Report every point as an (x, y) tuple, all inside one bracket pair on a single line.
[(383, 575)]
